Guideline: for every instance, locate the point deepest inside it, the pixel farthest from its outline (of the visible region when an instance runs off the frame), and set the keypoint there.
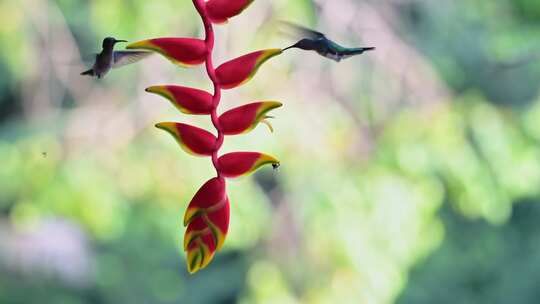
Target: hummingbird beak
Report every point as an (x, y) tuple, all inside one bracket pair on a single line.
[(116, 41), (290, 47)]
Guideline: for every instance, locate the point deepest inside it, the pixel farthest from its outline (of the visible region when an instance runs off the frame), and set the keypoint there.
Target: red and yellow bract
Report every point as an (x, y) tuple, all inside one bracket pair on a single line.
[(187, 100), (207, 216), (240, 70), (193, 140), (238, 164), (245, 118), (182, 51), (207, 221)]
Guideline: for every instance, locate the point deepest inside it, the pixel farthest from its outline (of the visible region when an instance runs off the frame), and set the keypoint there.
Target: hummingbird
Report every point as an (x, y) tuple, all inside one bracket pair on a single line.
[(109, 58), (318, 42)]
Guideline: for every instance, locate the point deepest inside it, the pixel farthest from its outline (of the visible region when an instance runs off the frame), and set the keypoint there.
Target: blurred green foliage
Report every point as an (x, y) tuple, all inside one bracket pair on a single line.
[(443, 209)]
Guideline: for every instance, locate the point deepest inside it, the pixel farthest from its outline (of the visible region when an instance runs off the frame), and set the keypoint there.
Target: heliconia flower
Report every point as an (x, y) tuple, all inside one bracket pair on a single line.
[(187, 100), (219, 11), (245, 118), (207, 221), (208, 214), (240, 70), (182, 51), (193, 140), (238, 164)]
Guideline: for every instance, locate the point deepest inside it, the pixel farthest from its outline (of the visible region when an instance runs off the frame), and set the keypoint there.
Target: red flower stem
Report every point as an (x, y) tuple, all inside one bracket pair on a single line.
[(210, 70)]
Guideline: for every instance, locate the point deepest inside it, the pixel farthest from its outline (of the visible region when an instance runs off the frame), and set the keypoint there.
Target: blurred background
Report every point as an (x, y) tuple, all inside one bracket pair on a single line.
[(409, 175)]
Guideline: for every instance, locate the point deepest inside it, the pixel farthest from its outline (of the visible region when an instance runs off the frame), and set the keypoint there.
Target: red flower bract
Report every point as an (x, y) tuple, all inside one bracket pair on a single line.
[(237, 164), (193, 140), (183, 51), (245, 118), (240, 70), (219, 11), (187, 100)]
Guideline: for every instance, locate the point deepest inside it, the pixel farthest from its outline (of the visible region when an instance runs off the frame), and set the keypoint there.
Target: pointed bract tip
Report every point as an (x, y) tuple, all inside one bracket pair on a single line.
[(155, 89), (273, 52), (267, 159), (274, 104), (167, 126), (143, 44)]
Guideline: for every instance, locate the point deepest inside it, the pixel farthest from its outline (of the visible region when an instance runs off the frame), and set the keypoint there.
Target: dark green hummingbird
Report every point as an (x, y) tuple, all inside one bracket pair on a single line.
[(317, 41), (109, 58)]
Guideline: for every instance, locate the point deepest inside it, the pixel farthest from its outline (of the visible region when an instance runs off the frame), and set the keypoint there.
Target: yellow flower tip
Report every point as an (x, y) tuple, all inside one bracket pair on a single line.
[(190, 214), (167, 126), (274, 104), (198, 258), (194, 265), (143, 44), (265, 56), (206, 261), (267, 159), (156, 89), (269, 54), (274, 52), (219, 238), (160, 90)]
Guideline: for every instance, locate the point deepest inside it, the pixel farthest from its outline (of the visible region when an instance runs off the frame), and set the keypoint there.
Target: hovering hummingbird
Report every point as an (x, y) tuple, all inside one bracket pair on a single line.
[(317, 41), (109, 58)]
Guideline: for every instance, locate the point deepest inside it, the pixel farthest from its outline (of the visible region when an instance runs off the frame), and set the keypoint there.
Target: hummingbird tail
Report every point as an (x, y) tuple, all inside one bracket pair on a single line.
[(356, 51), (89, 72)]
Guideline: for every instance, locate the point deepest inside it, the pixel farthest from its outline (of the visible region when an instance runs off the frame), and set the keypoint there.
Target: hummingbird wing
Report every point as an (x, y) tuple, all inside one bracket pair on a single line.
[(304, 31), (122, 58)]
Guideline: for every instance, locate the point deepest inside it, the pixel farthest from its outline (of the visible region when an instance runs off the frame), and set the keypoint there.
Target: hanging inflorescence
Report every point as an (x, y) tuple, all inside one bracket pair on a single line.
[(207, 216)]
